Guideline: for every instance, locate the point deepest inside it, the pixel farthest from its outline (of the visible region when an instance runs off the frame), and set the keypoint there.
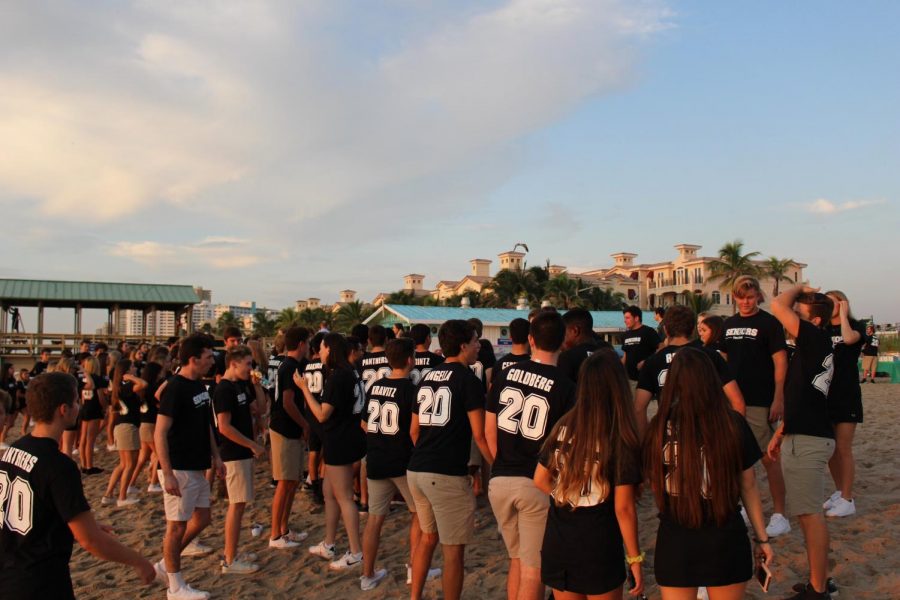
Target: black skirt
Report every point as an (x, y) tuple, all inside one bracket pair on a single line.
[(709, 556), (582, 550)]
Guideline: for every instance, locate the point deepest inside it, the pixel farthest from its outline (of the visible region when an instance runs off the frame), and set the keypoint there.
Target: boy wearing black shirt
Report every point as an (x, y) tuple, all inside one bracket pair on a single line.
[(524, 404), (286, 436), (870, 355), (44, 505), (638, 343), (186, 447), (386, 422), (41, 365), (520, 351), (579, 342), (314, 373), (448, 413), (679, 324), (234, 419), (425, 358), (805, 439), (483, 367), (374, 364), (757, 357)]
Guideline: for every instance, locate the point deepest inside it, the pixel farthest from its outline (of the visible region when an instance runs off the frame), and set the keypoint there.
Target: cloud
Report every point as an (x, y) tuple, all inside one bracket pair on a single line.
[(827, 207), (209, 253), (285, 114)]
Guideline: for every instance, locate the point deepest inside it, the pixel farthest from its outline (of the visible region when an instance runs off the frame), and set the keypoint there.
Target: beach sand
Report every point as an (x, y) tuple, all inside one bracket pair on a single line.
[(861, 561)]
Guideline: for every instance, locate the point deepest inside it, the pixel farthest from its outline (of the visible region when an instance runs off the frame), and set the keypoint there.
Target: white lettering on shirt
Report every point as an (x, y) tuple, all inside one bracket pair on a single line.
[(438, 376), (20, 458), (383, 390), (532, 379), (741, 332)]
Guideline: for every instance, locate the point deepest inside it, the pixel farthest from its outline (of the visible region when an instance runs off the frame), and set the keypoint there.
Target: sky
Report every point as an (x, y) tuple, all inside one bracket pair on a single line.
[(272, 151)]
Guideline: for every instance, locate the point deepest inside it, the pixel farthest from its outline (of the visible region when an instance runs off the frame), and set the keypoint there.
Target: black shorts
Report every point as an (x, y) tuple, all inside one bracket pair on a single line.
[(710, 556), (582, 550), (343, 447), (845, 410), (315, 439), (91, 411)]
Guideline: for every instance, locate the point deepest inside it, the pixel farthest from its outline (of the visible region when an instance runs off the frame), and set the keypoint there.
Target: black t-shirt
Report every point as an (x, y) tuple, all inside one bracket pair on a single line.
[(750, 454), (638, 345), (152, 374), (39, 367), (570, 360), (656, 368), (128, 410), (219, 366), (486, 360), (807, 384), (235, 397), (40, 493), (425, 361), (845, 383), (272, 374), (446, 395), (373, 366), (388, 414), (528, 399), (750, 343), (187, 403), (870, 345), (9, 386), (344, 441), (280, 421), (506, 362)]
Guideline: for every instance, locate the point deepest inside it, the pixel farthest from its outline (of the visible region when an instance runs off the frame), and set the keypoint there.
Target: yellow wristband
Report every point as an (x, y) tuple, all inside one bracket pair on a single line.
[(630, 560)]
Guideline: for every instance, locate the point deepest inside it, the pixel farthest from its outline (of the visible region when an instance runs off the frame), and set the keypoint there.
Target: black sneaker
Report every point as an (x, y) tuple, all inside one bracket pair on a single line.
[(805, 591)]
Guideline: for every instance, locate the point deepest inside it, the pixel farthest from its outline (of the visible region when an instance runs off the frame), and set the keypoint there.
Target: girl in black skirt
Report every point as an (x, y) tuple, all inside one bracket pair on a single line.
[(699, 457), (590, 466)]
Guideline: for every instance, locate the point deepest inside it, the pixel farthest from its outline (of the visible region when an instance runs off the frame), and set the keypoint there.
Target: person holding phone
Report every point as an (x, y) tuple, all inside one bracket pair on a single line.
[(699, 456)]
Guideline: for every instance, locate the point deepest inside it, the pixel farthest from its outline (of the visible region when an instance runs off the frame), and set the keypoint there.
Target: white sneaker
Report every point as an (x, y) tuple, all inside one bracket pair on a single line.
[(127, 502), (296, 536), (831, 500), (432, 574), (110, 447), (186, 593), (195, 548), (154, 488), (132, 490), (702, 594), (778, 525), (370, 583), (239, 567), (75, 452), (106, 501), (162, 578), (347, 561), (248, 557), (282, 543), (322, 550), (842, 508)]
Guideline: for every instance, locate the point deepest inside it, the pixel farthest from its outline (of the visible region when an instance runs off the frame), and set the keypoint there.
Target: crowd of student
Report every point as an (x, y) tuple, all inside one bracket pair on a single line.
[(556, 432)]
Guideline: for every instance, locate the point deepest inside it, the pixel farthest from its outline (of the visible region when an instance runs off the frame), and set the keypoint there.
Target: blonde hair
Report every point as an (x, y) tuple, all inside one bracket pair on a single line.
[(91, 366), (744, 284), (843, 297)]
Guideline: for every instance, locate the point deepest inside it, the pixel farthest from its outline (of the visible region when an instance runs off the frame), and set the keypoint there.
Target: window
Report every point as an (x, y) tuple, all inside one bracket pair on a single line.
[(716, 298), (727, 298), (796, 274)]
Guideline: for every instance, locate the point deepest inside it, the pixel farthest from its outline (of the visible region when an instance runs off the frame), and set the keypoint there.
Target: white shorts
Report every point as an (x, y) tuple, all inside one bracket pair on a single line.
[(194, 494)]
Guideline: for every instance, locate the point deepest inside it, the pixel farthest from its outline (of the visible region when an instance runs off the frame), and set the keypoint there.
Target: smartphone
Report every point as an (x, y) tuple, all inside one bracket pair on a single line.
[(763, 576)]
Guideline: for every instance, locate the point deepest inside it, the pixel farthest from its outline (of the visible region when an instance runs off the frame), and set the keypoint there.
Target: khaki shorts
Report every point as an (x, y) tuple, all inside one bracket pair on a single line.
[(239, 480), (287, 456), (194, 494), (445, 504), (870, 363), (803, 462), (758, 420), (127, 437), (147, 431), (382, 491), (521, 512)]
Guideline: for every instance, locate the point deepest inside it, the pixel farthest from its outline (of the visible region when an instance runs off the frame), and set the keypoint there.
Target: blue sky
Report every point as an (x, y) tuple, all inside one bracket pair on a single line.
[(271, 151)]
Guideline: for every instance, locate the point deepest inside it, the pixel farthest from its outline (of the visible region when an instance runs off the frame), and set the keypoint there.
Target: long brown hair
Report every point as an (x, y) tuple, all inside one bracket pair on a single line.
[(598, 437), (122, 368), (692, 449)]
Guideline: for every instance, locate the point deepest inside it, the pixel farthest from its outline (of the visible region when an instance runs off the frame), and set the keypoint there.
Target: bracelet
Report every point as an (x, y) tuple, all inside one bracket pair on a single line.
[(630, 560), (759, 541)]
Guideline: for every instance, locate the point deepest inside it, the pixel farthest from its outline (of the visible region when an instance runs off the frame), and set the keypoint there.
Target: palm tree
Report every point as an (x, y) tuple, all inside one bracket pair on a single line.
[(227, 319), (263, 325), (777, 269), (476, 299), (313, 317), (402, 297), (350, 314), (732, 264), (562, 292), (509, 285), (698, 303), (287, 318), (596, 298)]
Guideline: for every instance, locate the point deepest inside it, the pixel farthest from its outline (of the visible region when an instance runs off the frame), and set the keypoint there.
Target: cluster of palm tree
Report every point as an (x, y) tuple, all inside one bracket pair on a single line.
[(341, 320), (734, 263)]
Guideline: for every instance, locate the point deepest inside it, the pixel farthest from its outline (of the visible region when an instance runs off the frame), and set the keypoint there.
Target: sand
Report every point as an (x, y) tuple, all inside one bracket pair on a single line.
[(862, 561)]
